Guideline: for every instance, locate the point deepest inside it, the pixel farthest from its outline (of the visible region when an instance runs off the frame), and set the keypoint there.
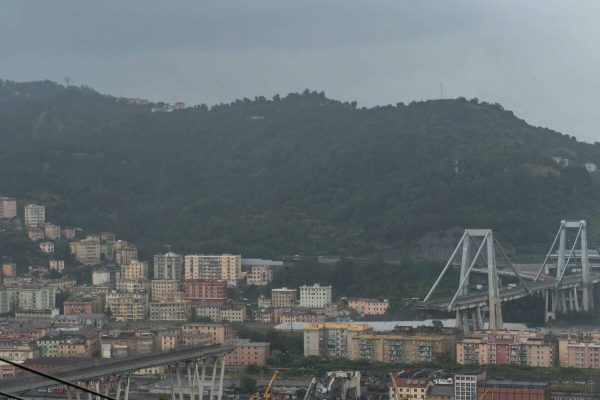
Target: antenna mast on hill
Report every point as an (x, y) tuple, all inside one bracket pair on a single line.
[(442, 91)]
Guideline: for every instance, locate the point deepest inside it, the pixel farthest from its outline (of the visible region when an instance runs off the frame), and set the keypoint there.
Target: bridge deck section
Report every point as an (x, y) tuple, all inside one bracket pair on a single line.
[(99, 368)]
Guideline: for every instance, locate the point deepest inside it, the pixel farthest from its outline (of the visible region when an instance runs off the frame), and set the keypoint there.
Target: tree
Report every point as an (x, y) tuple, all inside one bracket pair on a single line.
[(247, 385)]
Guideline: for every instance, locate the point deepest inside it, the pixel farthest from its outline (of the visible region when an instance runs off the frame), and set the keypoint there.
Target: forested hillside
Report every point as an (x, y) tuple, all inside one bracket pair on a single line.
[(297, 174)]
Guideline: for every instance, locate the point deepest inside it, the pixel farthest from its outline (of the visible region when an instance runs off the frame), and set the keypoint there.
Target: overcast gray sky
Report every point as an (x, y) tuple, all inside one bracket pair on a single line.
[(540, 59)]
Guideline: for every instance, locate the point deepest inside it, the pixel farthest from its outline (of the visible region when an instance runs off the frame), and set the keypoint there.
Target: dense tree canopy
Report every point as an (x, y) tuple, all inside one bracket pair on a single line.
[(296, 174)]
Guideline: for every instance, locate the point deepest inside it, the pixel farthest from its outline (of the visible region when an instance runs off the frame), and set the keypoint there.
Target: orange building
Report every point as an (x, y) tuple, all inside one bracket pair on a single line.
[(220, 333), (249, 353), (205, 291)]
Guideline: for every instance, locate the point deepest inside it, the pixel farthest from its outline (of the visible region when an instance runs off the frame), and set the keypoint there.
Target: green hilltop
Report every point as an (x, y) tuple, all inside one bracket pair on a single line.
[(300, 174)]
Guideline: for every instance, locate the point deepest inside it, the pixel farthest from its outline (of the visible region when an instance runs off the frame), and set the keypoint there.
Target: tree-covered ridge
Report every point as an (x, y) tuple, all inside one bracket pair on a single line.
[(296, 174)]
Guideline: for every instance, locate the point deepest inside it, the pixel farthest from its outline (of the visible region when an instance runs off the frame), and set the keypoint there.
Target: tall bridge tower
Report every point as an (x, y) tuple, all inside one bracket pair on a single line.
[(482, 242), (561, 299)]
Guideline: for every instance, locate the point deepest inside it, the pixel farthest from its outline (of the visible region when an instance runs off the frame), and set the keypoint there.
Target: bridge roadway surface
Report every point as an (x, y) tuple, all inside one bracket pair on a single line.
[(480, 299), (97, 369)]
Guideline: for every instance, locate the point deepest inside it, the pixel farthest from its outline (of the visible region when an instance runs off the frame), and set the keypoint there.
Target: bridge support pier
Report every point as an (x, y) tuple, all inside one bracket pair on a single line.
[(550, 307), (193, 384)]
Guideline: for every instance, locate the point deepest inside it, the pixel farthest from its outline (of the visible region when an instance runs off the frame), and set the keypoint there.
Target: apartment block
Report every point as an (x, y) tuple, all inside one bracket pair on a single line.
[(248, 353), (259, 275), (220, 333), (283, 297), (331, 339), (132, 285), (56, 265), (579, 350), (80, 306), (35, 214), (134, 270), (233, 314), (224, 267), (67, 233), (8, 208), (465, 385), (26, 297), (213, 312), (125, 255), (87, 251), (19, 350), (505, 348), (127, 306), (164, 310), (52, 232), (398, 348), (365, 306), (35, 233), (161, 289), (205, 291), (47, 247), (168, 266), (122, 344), (315, 296)]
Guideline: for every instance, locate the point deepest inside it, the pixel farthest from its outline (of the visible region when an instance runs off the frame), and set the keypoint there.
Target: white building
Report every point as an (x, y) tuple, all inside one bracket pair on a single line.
[(168, 266), (57, 265), (27, 298), (47, 247), (315, 296), (100, 277), (35, 214), (8, 207)]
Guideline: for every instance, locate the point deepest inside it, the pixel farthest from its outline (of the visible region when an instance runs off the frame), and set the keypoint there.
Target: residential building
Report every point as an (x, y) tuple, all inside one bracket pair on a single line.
[(122, 344), (134, 270), (9, 269), (315, 296), (205, 291), (365, 306), (162, 289), (505, 347), (132, 285), (226, 267), (283, 297), (179, 310), (108, 237), (81, 305), (125, 255), (233, 314), (67, 233), (590, 167), (411, 385), (259, 275), (331, 339), (86, 251), (57, 265), (579, 350), (127, 306), (35, 233), (26, 297), (35, 214), (47, 247), (66, 345), (52, 232), (197, 266), (263, 302), (168, 266), (220, 333), (19, 350), (8, 208), (210, 311), (44, 317), (465, 385), (410, 349), (514, 390), (101, 277), (248, 353)]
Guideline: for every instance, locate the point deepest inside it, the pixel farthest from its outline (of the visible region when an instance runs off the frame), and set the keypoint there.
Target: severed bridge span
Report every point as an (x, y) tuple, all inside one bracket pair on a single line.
[(567, 286), (193, 372)]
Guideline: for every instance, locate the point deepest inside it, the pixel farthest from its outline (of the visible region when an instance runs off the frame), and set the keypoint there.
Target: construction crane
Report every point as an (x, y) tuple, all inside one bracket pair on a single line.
[(266, 395)]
